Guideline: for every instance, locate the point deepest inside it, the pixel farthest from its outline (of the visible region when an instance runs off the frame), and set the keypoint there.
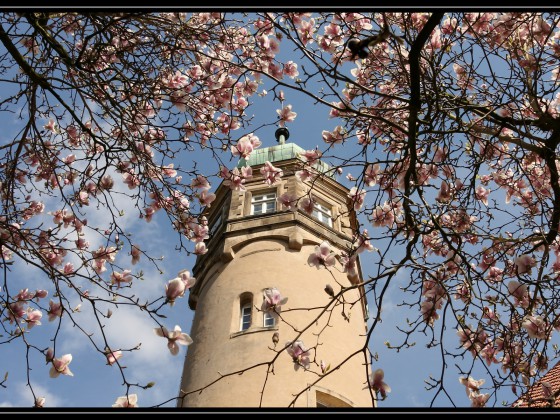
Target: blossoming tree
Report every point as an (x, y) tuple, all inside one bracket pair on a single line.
[(445, 126)]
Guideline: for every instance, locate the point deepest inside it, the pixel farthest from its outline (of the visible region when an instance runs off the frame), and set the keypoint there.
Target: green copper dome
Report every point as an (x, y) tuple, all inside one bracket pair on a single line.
[(282, 151)]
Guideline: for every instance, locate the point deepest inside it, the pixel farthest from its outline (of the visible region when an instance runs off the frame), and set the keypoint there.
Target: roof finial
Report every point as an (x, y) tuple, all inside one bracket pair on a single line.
[(282, 135)]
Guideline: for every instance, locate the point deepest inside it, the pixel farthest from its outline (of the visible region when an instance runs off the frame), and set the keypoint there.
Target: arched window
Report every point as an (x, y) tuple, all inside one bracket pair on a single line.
[(246, 307)]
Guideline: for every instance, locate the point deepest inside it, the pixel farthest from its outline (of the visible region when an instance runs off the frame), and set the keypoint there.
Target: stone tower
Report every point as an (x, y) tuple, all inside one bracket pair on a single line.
[(254, 244)]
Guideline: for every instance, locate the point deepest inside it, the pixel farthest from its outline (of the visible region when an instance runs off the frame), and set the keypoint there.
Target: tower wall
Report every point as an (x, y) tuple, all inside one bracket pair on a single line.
[(248, 254)]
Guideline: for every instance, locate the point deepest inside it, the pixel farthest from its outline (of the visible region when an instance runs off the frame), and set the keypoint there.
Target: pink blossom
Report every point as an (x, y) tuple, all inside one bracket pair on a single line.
[(24, 294), (68, 268), (40, 402), (349, 265), (286, 115), (524, 263), (334, 137), (273, 300), (200, 182), (290, 69), (271, 173), (55, 311), (322, 257), (40, 294), (125, 401), (113, 356), (306, 174), (546, 389), (187, 279), (478, 400), (481, 194), (119, 278), (33, 317), (15, 311), (51, 126), (174, 338), (444, 194), (60, 366), (519, 292), (131, 180), (299, 354), (362, 242), (536, 327), (377, 384), (245, 146), (383, 215), (471, 384), (200, 248), (311, 156), (174, 289), (205, 198), (371, 175), (307, 204), (135, 253), (288, 201), (357, 197)]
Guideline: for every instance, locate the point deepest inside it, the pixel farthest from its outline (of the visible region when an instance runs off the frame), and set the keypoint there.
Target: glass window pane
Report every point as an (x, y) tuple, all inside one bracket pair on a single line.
[(268, 320), (245, 317)]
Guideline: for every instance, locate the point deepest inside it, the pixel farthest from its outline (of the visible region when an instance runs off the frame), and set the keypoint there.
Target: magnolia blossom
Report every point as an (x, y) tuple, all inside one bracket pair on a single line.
[(174, 289), (536, 327), (200, 248), (322, 257), (286, 115), (288, 201), (299, 354), (471, 384), (377, 384), (135, 253), (40, 402), (272, 300), (33, 317), (245, 146), (478, 400), (113, 356), (174, 338), (126, 401), (55, 311), (519, 292), (271, 173), (60, 366), (307, 204), (524, 263), (187, 279), (310, 156), (118, 278), (357, 197)]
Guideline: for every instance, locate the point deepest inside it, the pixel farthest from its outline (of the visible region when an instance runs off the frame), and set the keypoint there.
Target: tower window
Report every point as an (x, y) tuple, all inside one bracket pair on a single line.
[(322, 214), (268, 320), (245, 318), (263, 203), (216, 224)]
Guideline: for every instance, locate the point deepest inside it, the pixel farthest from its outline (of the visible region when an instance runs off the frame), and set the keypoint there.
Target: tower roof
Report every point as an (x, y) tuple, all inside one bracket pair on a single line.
[(280, 152)]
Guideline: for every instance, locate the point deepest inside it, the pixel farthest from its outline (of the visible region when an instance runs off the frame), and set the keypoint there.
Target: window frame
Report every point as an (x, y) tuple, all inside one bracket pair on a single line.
[(245, 306), (267, 316), (216, 225), (323, 214), (261, 200)]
